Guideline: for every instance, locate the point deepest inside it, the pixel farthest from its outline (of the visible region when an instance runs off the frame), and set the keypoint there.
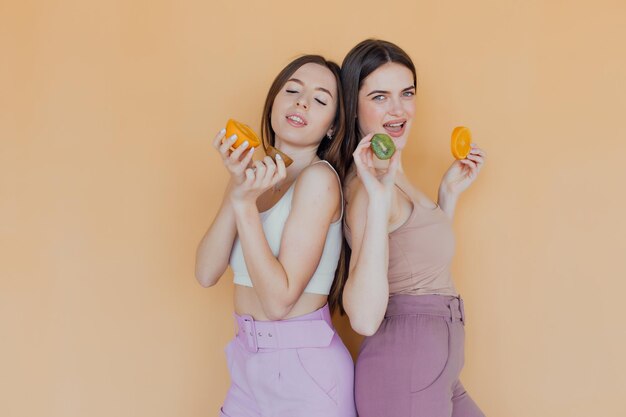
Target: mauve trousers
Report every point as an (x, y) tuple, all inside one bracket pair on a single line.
[(411, 365)]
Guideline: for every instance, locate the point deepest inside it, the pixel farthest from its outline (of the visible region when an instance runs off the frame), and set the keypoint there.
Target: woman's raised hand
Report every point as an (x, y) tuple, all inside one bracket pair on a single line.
[(237, 161), (462, 173), (261, 177), (379, 186)]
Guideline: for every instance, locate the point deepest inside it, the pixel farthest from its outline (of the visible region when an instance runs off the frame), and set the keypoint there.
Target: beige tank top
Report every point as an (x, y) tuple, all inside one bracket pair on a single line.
[(420, 253)]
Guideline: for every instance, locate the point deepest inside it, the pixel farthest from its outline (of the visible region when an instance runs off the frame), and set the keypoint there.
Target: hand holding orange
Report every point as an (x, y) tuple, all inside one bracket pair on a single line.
[(245, 133)]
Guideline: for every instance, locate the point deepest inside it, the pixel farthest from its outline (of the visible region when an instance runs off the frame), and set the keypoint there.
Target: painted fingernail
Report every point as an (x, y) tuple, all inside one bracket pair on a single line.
[(232, 138), (223, 131), (278, 157), (252, 151), (245, 144)]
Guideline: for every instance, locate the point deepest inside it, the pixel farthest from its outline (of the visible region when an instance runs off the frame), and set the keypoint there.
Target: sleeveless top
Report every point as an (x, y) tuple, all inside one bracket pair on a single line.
[(420, 253), (273, 221)]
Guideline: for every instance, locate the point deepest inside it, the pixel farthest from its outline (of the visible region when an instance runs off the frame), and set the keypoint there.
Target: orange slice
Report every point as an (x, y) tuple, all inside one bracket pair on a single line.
[(461, 142), (243, 132)]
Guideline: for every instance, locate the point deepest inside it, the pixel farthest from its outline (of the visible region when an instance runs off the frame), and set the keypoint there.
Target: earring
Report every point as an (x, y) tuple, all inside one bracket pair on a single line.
[(329, 136)]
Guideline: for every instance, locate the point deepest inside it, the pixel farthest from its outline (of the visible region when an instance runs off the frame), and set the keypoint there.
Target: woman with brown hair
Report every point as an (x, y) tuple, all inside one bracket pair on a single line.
[(281, 231), (399, 292)]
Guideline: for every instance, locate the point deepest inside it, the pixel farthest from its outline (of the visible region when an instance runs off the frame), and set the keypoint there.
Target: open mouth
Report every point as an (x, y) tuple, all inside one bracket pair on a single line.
[(296, 120), (395, 128)]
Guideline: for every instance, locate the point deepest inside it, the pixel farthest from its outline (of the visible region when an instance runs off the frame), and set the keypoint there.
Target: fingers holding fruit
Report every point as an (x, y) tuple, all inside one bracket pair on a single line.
[(263, 175), (477, 155), (219, 138), (362, 156)]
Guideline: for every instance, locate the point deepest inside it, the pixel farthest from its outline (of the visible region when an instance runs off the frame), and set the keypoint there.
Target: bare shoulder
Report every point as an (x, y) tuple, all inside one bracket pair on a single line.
[(317, 186)]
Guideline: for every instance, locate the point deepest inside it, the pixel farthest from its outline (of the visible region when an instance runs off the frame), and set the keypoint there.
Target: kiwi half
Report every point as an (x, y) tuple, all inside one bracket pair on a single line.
[(272, 152), (382, 146)]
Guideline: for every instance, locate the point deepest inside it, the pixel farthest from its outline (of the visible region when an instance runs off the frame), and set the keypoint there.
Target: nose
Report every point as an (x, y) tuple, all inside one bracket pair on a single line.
[(396, 108), (301, 102)]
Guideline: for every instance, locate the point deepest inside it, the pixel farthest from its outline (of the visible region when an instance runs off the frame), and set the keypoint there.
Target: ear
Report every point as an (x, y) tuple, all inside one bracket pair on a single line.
[(330, 132)]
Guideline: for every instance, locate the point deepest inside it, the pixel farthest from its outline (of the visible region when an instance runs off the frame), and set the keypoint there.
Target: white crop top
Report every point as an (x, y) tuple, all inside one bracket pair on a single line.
[(273, 221)]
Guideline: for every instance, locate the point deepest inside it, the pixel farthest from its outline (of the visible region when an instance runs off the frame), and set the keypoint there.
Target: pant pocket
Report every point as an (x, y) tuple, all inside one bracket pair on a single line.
[(430, 351), (319, 365)]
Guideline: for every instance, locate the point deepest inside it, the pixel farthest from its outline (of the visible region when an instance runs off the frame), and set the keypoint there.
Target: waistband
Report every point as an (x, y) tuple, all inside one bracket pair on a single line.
[(310, 330), (446, 306)]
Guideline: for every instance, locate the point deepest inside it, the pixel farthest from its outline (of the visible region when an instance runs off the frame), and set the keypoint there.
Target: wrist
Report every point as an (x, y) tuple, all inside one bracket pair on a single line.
[(446, 193), (379, 207), (240, 203)]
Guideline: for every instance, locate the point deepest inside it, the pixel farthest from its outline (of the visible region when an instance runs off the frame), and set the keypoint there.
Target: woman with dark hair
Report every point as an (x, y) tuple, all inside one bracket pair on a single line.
[(399, 292), (281, 230)]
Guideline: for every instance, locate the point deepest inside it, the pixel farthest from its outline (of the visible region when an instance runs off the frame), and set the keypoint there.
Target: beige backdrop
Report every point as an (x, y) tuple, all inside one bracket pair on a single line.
[(108, 181)]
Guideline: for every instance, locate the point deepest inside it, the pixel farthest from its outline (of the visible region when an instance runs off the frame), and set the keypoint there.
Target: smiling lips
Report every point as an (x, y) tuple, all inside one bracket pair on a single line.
[(395, 128), (296, 120)]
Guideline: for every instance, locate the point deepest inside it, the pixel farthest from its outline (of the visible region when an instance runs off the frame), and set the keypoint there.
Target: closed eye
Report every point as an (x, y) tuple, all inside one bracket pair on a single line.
[(320, 101), (291, 91)]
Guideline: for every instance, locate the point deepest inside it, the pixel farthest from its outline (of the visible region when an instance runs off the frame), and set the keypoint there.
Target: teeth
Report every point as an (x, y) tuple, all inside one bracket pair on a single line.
[(394, 124), (296, 119)]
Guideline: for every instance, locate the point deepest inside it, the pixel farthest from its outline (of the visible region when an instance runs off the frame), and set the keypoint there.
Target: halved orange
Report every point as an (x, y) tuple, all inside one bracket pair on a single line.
[(243, 132), (461, 142)]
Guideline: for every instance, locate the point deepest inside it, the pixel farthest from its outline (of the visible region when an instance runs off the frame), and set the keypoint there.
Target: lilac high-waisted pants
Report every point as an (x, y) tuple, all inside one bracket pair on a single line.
[(411, 366), (289, 368)]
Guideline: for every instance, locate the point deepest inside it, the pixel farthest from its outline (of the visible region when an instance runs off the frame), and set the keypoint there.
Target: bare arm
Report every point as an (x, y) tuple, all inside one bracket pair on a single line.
[(280, 281), (214, 249), (213, 252), (366, 293), (458, 178)]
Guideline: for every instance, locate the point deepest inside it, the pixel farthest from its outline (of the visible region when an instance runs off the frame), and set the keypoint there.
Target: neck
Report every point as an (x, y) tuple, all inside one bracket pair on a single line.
[(302, 157)]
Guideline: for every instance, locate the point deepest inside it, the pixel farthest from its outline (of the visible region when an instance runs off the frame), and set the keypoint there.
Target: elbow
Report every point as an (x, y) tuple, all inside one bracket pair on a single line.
[(206, 280), (364, 327), (206, 283), (277, 311), (364, 322)]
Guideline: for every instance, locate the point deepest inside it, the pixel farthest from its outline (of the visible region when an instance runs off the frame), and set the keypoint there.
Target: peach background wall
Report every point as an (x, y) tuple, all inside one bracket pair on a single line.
[(107, 183)]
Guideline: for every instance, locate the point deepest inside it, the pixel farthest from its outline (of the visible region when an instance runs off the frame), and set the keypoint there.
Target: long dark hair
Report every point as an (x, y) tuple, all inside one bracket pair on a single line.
[(361, 61), (330, 150)]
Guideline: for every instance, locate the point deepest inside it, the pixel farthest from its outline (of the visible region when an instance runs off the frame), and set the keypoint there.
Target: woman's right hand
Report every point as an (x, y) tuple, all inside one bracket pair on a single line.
[(237, 161), (379, 186)]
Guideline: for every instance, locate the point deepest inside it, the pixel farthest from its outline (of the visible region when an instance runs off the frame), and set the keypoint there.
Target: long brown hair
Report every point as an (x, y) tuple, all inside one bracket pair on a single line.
[(330, 149), (361, 61)]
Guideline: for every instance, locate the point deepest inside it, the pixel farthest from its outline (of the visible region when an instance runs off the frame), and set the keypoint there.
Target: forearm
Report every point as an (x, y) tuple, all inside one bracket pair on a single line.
[(366, 293), (268, 276), (447, 201), (213, 252)]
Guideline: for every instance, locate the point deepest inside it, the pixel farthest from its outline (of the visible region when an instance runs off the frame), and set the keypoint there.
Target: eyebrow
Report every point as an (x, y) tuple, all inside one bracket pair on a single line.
[(387, 92), (295, 80)]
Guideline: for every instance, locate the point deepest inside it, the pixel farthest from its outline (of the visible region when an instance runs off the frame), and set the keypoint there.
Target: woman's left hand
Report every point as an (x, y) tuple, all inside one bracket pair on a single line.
[(463, 172), (265, 174)]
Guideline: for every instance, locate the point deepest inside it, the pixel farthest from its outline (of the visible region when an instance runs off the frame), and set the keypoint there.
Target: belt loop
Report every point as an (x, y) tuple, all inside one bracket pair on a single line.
[(462, 307), (452, 310), (456, 310)]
